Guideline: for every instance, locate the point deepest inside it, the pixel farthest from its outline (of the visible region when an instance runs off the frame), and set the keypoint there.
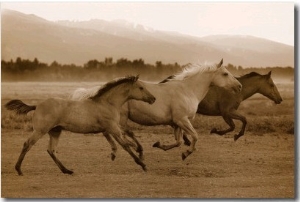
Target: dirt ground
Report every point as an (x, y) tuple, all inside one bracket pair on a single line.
[(253, 167), (256, 166)]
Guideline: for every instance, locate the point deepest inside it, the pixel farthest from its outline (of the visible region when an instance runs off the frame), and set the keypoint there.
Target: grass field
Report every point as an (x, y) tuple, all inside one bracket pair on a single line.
[(259, 165)]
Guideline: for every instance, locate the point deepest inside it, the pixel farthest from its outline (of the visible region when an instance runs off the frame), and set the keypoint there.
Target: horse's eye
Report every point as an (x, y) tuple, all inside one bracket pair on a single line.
[(272, 85), (141, 88), (225, 74)]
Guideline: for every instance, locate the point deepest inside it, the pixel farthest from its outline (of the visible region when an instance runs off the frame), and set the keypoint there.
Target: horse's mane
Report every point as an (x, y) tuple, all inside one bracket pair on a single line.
[(167, 79), (105, 88), (250, 75), (83, 93), (189, 71)]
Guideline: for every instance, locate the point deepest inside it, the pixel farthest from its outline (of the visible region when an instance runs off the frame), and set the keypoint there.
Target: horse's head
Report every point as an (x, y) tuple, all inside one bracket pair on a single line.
[(139, 92), (223, 78), (268, 89)]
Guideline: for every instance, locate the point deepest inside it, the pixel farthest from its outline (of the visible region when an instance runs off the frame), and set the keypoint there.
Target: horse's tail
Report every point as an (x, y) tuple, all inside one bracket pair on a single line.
[(19, 107)]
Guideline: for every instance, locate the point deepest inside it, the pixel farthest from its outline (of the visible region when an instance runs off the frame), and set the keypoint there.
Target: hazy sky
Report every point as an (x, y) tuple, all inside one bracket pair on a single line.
[(270, 20)]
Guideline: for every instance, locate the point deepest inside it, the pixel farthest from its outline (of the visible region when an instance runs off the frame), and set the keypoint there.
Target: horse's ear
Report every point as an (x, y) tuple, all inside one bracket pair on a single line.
[(269, 74), (220, 64)]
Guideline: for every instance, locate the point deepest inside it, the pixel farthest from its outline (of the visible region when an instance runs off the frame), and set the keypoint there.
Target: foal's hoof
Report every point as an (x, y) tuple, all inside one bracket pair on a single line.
[(214, 130), (157, 144), (19, 171), (113, 156)]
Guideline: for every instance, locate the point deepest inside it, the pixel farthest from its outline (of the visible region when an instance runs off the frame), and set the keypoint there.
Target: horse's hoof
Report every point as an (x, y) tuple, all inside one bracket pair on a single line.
[(183, 156), (68, 172), (157, 144), (20, 173), (145, 169), (214, 130), (113, 156), (236, 137)]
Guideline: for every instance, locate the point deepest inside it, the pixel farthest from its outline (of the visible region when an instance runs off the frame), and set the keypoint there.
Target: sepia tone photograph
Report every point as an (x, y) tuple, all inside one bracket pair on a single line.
[(148, 100)]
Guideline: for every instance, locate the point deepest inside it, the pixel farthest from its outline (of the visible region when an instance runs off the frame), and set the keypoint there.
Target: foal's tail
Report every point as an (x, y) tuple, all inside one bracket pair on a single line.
[(19, 107)]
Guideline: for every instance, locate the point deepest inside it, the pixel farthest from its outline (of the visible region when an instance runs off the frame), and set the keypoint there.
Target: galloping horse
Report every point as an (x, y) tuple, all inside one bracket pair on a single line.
[(176, 102), (221, 102), (99, 113)]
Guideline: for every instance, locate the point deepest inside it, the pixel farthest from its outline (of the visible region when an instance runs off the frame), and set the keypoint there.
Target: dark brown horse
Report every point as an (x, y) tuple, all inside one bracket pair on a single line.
[(221, 102)]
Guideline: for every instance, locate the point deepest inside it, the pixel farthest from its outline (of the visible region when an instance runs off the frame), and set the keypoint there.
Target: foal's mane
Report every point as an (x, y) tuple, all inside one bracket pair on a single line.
[(189, 71), (105, 88)]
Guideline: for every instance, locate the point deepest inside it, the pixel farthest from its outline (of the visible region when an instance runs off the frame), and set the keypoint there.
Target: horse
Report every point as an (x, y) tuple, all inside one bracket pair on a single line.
[(221, 102), (99, 113), (176, 102)]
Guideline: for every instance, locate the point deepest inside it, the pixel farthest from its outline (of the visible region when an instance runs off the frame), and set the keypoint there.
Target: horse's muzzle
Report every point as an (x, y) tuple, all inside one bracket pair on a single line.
[(237, 89), (278, 101), (151, 100)]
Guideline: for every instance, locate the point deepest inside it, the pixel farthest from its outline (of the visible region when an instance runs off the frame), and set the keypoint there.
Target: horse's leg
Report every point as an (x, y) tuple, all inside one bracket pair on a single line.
[(128, 142), (228, 119), (139, 147), (54, 134), (124, 114), (26, 147), (235, 115), (186, 140), (188, 128), (112, 144), (117, 133), (178, 138)]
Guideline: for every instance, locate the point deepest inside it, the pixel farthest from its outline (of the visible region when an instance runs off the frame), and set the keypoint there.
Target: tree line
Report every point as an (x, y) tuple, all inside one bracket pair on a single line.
[(94, 70)]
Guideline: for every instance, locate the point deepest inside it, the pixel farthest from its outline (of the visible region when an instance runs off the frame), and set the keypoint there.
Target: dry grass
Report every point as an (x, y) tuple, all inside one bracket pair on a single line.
[(262, 114)]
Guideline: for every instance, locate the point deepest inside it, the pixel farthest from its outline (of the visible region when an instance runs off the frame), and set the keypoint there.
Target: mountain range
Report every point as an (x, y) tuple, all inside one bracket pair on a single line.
[(77, 42)]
